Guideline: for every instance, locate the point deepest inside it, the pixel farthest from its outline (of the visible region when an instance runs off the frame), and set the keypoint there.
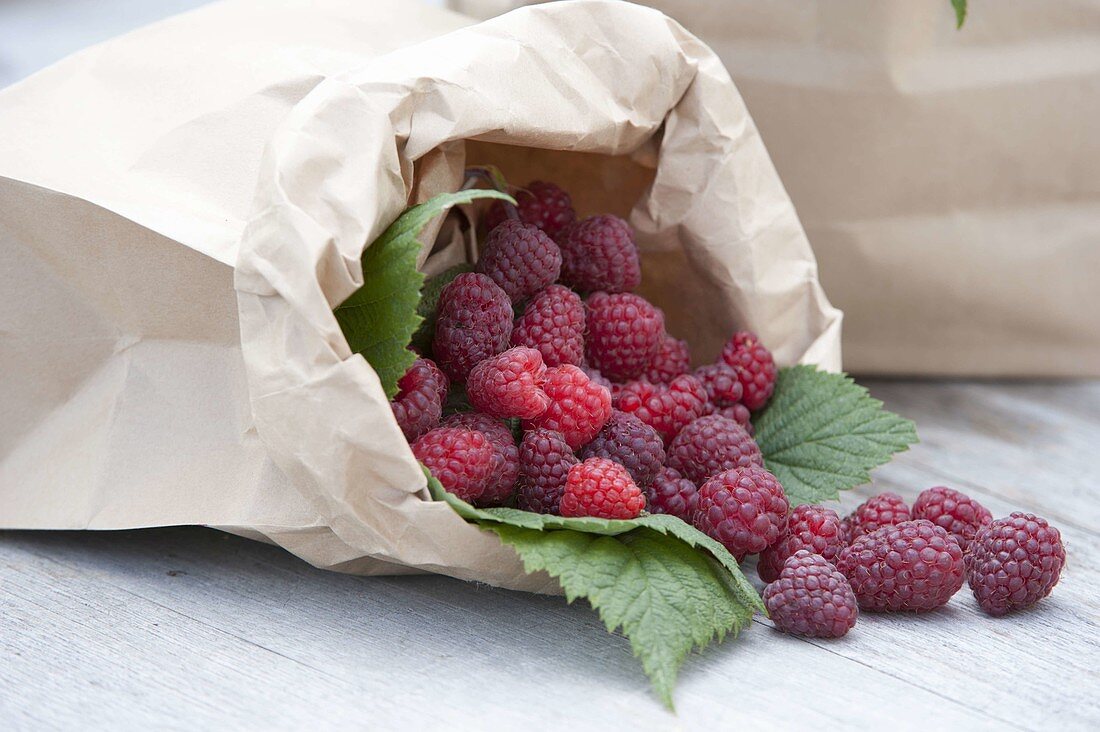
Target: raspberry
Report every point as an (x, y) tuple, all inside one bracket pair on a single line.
[(671, 359), (667, 408), (509, 384), (1014, 562), (599, 253), (419, 401), (624, 331), (885, 509), (740, 414), (811, 598), (553, 322), (578, 408), (744, 509), (520, 258), (474, 323), (602, 488), (630, 442), (724, 389), (710, 445), (541, 204), (957, 512), (599, 378), (914, 566), (460, 459), (505, 469), (755, 368), (673, 494), (544, 462), (813, 528)]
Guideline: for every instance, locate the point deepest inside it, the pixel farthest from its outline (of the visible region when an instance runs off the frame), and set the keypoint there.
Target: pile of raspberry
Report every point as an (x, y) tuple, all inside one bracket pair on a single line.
[(582, 404)]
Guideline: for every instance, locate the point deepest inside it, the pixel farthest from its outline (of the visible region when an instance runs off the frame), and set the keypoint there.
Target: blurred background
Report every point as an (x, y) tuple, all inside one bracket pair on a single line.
[(949, 180)]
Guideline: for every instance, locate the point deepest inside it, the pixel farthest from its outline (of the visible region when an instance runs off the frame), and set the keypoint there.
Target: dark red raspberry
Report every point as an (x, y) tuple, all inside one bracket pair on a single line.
[(602, 488), (505, 470), (1014, 562), (460, 459), (957, 512), (744, 509), (724, 389), (474, 323), (673, 494), (509, 384), (755, 368), (599, 378), (630, 442), (710, 445), (811, 598), (542, 204), (624, 331), (578, 407), (740, 414), (914, 566), (813, 528), (520, 258), (885, 509), (419, 401), (544, 458), (671, 359), (599, 253), (667, 408), (553, 322)]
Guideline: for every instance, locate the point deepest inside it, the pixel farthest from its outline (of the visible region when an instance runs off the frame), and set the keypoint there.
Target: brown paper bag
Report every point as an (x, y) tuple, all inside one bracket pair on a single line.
[(949, 181), (170, 358)]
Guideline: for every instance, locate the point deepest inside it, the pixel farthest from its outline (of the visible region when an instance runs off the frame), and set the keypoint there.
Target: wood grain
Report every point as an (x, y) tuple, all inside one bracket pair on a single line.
[(191, 628)]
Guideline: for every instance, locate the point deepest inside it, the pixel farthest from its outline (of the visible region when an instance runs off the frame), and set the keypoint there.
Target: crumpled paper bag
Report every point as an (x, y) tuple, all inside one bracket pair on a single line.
[(949, 181), (169, 350)]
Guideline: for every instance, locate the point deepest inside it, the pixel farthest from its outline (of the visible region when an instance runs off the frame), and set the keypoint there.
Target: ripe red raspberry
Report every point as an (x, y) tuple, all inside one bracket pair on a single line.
[(957, 512), (811, 598), (630, 442), (460, 459), (755, 368), (474, 323), (1014, 562), (578, 407), (553, 322), (885, 509), (419, 401), (599, 253), (710, 445), (545, 459), (542, 204), (813, 528), (599, 378), (624, 331), (671, 359), (914, 566), (740, 414), (667, 408), (509, 384), (505, 470), (520, 258), (673, 494), (602, 488), (744, 509), (724, 389)]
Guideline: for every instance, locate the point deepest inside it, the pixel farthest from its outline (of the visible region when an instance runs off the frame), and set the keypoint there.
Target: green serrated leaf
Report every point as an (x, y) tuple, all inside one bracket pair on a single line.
[(380, 317), (822, 433), (960, 12), (429, 300)]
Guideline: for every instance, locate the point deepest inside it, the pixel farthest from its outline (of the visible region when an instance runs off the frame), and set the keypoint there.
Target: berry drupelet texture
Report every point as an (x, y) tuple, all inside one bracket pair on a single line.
[(509, 384), (809, 597), (812, 528), (539, 203), (710, 445), (630, 442), (624, 332), (667, 408), (671, 359), (520, 258), (1014, 562), (599, 253), (602, 488), (474, 323), (724, 389), (460, 459), (553, 323), (957, 512), (885, 509), (544, 462), (673, 494), (744, 509), (578, 407), (419, 401), (505, 469), (755, 368)]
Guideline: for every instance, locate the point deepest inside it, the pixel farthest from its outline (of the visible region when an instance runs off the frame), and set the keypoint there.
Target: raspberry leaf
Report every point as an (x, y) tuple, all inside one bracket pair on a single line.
[(960, 12), (822, 433), (379, 318)]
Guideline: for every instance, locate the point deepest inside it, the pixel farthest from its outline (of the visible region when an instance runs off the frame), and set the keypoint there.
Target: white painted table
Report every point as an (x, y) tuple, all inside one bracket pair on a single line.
[(191, 628)]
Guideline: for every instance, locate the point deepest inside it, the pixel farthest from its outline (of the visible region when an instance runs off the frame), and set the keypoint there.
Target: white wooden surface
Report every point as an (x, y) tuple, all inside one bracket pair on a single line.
[(191, 628)]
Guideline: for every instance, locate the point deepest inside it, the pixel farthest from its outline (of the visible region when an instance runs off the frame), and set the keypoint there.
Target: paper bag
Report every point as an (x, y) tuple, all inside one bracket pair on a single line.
[(949, 181), (172, 359)]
